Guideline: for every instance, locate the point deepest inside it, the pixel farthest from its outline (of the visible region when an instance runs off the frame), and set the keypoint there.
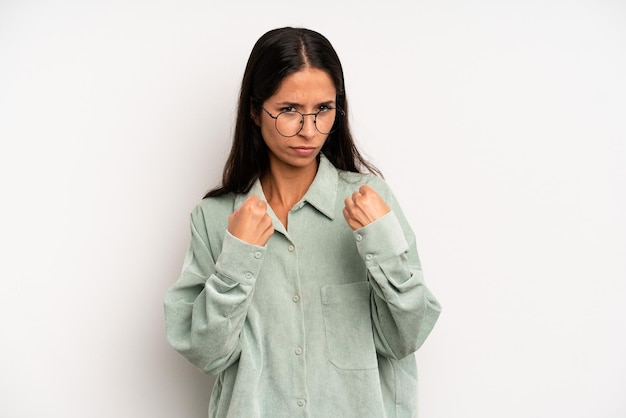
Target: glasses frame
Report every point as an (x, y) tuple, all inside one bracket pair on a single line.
[(340, 113)]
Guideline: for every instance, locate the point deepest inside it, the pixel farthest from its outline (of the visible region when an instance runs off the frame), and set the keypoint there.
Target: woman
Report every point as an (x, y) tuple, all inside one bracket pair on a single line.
[(302, 288)]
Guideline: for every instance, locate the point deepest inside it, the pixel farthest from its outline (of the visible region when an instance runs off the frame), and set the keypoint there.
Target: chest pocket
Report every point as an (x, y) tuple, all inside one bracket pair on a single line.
[(348, 326)]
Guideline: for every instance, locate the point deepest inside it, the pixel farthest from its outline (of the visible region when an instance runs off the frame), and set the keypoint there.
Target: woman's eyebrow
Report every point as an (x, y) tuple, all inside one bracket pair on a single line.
[(299, 105), (293, 104)]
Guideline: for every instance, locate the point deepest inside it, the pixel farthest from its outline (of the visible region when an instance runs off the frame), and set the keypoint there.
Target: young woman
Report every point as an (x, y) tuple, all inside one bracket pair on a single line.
[(302, 288)]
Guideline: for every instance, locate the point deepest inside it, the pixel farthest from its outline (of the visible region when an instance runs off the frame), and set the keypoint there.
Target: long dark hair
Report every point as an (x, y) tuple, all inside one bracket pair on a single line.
[(277, 54)]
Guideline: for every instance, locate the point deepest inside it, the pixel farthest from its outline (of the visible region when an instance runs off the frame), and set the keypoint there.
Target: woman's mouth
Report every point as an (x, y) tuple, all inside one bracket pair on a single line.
[(304, 151)]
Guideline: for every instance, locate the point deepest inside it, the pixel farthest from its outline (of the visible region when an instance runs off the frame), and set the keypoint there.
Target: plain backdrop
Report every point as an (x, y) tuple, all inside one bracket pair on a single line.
[(500, 126)]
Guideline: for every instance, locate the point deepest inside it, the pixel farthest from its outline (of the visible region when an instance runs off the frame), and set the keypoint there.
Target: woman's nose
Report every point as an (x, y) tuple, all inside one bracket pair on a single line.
[(308, 126)]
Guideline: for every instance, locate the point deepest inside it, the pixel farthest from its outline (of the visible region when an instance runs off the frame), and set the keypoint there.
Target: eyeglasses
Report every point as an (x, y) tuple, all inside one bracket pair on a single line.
[(290, 122)]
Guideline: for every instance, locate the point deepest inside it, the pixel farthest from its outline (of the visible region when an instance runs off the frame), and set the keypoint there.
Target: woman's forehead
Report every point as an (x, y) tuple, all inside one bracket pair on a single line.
[(304, 86)]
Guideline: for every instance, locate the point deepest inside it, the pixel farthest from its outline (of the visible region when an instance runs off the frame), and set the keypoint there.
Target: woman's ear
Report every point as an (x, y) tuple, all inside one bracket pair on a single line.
[(255, 119), (254, 113)]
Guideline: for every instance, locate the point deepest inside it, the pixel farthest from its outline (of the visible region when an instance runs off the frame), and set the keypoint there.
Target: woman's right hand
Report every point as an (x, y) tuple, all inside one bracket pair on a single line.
[(251, 223)]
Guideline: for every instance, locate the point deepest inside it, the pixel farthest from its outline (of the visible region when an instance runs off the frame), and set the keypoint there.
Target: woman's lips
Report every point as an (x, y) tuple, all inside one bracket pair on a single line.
[(303, 151)]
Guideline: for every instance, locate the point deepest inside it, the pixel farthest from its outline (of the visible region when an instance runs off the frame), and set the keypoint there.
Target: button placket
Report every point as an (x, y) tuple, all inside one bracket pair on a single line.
[(298, 360)]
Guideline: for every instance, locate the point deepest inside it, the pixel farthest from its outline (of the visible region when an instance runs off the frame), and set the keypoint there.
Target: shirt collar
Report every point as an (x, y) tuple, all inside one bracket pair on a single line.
[(322, 193)]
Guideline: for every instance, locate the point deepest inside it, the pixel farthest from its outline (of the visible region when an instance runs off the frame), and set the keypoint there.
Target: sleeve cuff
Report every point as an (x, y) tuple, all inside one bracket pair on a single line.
[(381, 240), (239, 260)]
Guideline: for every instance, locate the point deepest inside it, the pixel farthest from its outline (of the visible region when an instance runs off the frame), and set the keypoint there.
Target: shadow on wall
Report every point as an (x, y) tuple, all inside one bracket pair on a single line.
[(192, 390)]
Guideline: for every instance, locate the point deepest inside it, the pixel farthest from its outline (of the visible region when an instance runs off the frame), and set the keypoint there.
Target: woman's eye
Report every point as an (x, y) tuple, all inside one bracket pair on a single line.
[(324, 108), (288, 109)]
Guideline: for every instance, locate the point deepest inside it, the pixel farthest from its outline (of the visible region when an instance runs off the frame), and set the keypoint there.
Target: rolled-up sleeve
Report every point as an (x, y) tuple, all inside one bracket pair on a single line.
[(206, 307), (404, 311)]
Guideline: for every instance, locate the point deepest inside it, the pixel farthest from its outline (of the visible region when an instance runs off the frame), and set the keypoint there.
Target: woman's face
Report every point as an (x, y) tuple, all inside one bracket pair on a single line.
[(307, 91)]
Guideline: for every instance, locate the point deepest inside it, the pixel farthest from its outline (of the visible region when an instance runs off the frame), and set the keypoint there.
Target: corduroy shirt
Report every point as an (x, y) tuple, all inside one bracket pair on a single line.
[(321, 322)]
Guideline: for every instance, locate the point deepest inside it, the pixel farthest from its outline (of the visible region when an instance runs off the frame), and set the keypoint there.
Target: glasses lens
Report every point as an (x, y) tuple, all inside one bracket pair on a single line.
[(325, 120), (289, 123)]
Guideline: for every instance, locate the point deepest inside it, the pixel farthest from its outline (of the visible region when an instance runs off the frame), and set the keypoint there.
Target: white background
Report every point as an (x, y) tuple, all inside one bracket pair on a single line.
[(500, 125)]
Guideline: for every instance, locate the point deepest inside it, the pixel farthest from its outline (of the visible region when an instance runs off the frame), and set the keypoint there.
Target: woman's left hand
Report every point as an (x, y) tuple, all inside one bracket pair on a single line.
[(364, 207)]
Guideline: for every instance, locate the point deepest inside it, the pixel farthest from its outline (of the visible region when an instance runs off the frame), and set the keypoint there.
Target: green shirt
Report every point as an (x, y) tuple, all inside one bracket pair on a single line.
[(321, 322)]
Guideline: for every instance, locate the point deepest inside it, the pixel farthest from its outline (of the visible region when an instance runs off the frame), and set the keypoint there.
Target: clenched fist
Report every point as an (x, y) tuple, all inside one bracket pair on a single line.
[(251, 223), (364, 207)]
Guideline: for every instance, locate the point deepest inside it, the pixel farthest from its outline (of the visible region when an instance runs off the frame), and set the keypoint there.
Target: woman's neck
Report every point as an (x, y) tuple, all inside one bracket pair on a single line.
[(284, 186)]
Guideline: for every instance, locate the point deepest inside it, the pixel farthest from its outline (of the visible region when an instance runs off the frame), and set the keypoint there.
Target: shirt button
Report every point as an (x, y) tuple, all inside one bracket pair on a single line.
[(298, 351), (291, 248), (301, 402), (359, 237), (295, 298), (248, 275), (257, 255), (368, 257)]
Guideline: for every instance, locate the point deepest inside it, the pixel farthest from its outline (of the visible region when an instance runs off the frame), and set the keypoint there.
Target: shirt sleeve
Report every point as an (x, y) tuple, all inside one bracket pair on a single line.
[(404, 311), (206, 307)]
